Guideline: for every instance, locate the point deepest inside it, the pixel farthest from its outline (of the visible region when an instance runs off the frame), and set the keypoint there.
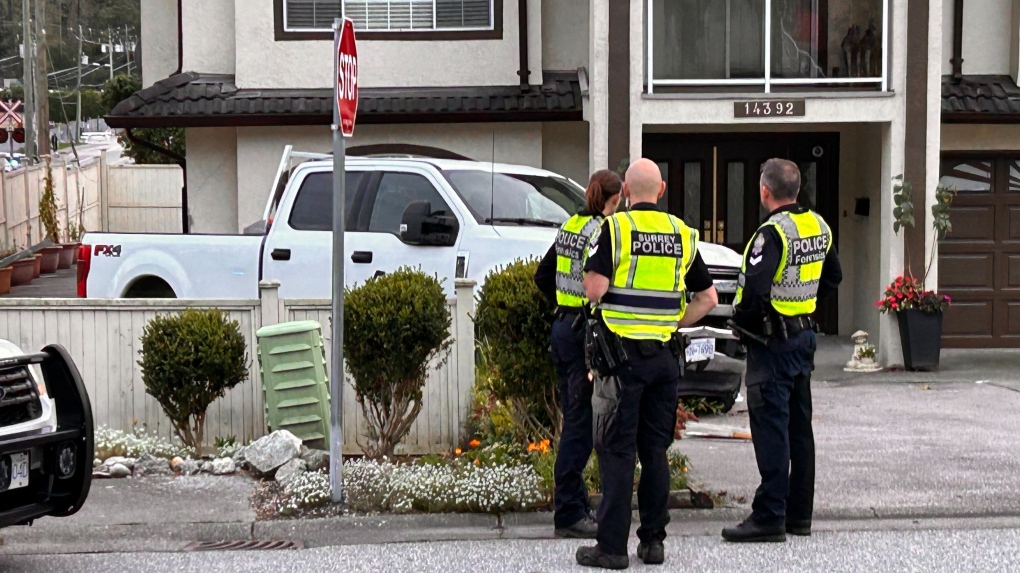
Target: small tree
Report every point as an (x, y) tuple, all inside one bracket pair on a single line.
[(394, 326), (188, 361), (513, 322), (48, 206)]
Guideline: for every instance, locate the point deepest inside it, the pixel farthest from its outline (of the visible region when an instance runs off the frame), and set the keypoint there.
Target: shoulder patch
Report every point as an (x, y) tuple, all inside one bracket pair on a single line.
[(759, 244)]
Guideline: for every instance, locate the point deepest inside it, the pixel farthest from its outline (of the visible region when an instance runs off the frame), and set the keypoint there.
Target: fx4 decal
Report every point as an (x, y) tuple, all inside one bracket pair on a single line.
[(107, 250)]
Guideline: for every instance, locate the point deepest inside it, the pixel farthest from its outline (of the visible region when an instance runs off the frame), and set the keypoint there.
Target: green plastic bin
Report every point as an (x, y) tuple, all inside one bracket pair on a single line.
[(295, 384)]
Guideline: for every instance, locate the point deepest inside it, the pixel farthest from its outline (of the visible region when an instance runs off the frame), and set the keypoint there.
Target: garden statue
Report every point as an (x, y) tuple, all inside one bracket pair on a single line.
[(863, 359)]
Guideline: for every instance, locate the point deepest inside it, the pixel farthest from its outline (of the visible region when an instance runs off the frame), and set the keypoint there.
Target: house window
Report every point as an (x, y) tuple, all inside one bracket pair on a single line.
[(390, 15), (766, 45)]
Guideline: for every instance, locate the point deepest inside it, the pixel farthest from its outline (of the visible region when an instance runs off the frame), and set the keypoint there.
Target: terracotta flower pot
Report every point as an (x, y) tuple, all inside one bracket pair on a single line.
[(50, 260), (67, 256), (37, 270), (5, 280), (22, 272)]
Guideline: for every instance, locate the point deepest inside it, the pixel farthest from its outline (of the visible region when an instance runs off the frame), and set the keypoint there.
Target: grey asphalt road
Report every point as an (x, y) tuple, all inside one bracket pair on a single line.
[(910, 549)]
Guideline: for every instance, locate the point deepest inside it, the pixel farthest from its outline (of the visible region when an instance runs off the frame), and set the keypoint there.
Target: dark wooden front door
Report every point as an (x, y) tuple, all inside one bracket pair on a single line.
[(979, 261), (713, 184)]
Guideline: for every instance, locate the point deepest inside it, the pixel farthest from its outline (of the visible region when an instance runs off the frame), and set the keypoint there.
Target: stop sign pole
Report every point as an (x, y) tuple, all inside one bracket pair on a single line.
[(345, 109)]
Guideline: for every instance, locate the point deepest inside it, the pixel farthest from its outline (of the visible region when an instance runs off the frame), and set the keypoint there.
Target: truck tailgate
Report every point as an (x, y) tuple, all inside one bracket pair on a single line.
[(195, 266)]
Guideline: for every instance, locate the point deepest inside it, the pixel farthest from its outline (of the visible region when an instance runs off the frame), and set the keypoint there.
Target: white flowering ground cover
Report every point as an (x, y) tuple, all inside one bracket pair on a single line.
[(382, 486), (110, 442)]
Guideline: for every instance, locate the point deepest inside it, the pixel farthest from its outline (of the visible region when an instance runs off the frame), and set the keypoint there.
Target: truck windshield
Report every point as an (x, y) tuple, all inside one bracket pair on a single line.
[(519, 199)]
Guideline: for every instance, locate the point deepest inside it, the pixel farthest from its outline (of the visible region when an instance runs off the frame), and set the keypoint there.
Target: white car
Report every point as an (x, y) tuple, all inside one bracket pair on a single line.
[(46, 435), (453, 218)]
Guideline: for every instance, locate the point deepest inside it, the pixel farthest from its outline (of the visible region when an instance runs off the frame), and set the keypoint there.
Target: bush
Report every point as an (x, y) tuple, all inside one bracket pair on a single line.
[(48, 206), (512, 324), (395, 324), (188, 361)]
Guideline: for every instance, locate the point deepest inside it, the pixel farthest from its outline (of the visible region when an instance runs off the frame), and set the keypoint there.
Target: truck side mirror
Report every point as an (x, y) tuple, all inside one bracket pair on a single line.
[(418, 226)]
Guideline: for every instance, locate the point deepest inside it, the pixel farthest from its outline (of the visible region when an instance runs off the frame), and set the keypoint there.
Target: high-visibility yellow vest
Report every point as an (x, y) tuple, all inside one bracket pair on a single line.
[(652, 252), (806, 240), (571, 245)]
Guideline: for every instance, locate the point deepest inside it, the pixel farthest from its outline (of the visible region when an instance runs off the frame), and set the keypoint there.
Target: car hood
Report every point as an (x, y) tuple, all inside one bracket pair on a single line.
[(541, 237)]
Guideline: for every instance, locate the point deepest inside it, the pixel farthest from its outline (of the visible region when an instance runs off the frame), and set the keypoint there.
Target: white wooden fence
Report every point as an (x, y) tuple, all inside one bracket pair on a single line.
[(102, 197), (102, 337), (143, 199)]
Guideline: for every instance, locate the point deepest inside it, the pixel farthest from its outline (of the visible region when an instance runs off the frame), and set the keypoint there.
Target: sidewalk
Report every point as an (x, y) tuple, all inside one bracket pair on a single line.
[(886, 449)]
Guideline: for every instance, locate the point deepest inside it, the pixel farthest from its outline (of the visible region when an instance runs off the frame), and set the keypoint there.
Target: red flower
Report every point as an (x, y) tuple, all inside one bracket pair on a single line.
[(894, 305)]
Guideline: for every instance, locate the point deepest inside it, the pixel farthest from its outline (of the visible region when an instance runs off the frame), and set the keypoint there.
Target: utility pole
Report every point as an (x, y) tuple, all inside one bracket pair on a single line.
[(127, 49), (42, 90), (29, 81), (110, 35), (77, 118)]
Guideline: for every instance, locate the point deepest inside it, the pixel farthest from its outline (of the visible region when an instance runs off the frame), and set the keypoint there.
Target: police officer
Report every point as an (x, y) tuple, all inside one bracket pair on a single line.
[(559, 277), (789, 264), (640, 267)]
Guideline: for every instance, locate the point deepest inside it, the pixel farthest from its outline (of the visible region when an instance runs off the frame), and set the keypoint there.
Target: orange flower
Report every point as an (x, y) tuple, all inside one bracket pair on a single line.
[(457, 451), (478, 462), (474, 443)]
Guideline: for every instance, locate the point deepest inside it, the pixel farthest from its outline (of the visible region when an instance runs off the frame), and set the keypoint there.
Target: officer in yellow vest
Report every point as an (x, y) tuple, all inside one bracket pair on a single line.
[(641, 266), (789, 264), (559, 277)]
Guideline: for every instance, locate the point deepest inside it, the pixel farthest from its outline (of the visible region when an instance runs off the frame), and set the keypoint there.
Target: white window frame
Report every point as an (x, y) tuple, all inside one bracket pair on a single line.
[(766, 81), (492, 25)]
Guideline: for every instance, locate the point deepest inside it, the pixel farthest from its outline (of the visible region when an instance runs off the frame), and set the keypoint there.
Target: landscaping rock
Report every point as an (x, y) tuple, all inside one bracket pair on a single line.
[(222, 466), (189, 468), (127, 462), (239, 455), (148, 465), (119, 471), (270, 452), (316, 459), (103, 471), (176, 462), (290, 470), (207, 467)]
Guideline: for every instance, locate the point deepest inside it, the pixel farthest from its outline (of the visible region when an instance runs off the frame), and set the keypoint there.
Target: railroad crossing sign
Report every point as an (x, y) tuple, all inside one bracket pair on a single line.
[(10, 119)]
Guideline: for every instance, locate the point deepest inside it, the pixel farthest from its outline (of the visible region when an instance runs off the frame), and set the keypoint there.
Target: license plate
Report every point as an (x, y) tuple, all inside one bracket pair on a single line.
[(700, 349), (19, 471)]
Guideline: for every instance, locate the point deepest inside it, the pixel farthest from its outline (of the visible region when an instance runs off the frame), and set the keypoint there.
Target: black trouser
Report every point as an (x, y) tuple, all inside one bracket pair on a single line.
[(635, 413), (779, 403), (575, 447)]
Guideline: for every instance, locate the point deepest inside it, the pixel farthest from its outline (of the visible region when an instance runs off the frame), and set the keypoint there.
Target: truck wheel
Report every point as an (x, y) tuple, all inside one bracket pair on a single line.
[(150, 287)]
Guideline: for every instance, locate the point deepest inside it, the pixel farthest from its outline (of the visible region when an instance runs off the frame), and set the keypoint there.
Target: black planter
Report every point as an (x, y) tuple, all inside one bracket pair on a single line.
[(921, 338)]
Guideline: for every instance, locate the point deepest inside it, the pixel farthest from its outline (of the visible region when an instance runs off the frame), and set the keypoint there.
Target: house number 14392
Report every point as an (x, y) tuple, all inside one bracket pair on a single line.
[(768, 108)]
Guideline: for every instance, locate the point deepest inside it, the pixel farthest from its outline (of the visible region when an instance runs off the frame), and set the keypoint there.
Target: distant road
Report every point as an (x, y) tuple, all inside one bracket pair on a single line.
[(91, 152)]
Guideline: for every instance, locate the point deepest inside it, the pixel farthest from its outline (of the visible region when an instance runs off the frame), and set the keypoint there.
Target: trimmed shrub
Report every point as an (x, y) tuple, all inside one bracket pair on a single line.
[(188, 361), (512, 324), (395, 325)]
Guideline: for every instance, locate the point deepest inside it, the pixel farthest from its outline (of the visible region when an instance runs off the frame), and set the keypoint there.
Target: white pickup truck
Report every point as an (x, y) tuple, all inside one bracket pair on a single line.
[(454, 218)]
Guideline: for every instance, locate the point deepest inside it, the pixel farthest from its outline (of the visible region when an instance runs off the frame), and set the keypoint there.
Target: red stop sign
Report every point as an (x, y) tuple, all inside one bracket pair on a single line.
[(347, 77)]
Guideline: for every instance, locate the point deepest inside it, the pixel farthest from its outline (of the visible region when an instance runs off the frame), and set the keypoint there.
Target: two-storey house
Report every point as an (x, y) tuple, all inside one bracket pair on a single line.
[(856, 91)]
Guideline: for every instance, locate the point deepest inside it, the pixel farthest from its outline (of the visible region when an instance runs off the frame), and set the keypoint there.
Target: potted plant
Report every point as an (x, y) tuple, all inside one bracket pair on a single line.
[(48, 217), (70, 252), (22, 270), (919, 310), (7, 270)]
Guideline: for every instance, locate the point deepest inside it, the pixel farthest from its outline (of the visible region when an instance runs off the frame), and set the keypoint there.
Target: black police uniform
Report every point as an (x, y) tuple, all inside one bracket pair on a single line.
[(574, 392), (643, 423), (779, 388)]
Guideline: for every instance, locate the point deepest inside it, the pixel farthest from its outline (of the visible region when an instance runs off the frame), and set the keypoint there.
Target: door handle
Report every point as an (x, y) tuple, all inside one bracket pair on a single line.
[(281, 254), (362, 256)]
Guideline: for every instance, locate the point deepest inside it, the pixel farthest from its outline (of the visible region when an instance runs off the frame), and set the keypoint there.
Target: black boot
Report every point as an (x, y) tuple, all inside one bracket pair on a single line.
[(749, 531), (652, 553), (584, 528), (800, 527), (595, 557)]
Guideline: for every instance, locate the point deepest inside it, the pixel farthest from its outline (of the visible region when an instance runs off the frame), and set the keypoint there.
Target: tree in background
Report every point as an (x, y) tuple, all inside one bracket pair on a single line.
[(119, 89)]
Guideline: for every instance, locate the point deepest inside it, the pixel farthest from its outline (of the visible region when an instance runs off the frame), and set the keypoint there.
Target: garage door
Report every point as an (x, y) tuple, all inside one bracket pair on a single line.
[(979, 262)]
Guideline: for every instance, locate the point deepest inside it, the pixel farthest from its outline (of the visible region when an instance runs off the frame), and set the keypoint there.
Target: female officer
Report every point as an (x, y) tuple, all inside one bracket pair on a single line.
[(559, 277)]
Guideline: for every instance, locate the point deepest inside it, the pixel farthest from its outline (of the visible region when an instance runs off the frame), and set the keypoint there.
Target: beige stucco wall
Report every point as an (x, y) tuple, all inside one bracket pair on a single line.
[(259, 150), (209, 45), (263, 62), (565, 149), (212, 179), (159, 40), (565, 25), (987, 36), (980, 137)]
